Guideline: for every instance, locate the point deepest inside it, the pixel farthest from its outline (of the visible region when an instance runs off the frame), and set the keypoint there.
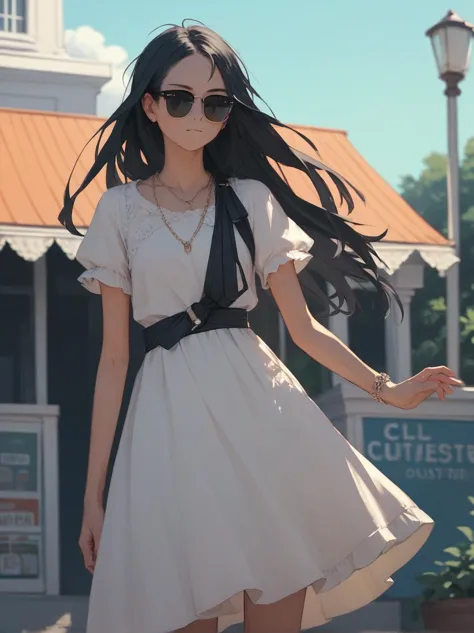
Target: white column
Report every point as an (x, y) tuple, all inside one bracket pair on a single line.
[(41, 329), (398, 338), (339, 325), (398, 350), (51, 505)]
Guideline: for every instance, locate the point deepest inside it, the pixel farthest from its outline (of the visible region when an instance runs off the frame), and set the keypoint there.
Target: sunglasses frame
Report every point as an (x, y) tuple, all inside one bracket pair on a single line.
[(166, 93)]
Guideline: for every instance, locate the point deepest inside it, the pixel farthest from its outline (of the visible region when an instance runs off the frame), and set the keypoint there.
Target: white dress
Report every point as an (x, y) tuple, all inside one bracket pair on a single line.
[(228, 476)]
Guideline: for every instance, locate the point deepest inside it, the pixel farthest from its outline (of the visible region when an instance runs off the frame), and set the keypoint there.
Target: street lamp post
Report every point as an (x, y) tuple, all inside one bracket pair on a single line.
[(451, 39)]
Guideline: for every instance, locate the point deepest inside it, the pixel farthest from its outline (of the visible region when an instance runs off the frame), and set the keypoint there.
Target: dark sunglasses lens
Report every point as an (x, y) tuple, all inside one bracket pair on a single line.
[(179, 103), (217, 108)]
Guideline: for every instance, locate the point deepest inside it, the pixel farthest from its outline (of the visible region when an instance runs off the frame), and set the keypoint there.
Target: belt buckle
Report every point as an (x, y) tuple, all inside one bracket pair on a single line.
[(195, 320)]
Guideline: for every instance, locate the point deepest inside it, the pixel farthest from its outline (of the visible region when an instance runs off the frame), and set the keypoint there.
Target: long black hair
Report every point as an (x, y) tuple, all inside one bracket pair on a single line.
[(134, 149)]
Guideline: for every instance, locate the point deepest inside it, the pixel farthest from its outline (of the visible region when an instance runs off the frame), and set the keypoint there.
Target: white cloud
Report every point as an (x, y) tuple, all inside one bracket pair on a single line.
[(87, 43)]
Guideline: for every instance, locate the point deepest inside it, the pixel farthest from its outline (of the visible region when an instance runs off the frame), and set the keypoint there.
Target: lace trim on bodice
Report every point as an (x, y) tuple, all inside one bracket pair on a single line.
[(143, 218)]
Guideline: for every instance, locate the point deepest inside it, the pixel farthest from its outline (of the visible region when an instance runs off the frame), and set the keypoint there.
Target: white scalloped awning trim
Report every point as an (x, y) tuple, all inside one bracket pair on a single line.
[(33, 242), (437, 256)]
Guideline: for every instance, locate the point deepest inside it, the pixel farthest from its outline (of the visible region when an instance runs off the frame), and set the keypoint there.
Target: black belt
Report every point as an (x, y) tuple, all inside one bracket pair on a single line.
[(197, 318)]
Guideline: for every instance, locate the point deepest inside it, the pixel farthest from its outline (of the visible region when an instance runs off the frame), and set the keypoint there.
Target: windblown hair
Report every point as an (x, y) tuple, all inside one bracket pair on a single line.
[(134, 149)]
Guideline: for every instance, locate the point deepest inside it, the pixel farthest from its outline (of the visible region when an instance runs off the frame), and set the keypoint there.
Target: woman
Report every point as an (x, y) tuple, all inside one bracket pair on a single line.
[(230, 486)]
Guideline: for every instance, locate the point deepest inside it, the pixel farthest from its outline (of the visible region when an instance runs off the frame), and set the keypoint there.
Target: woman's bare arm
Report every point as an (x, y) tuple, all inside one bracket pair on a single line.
[(312, 337), (109, 386), (324, 347)]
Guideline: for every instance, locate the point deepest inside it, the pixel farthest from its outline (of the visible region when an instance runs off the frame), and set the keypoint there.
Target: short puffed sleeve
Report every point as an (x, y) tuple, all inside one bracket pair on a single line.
[(103, 252), (278, 239)]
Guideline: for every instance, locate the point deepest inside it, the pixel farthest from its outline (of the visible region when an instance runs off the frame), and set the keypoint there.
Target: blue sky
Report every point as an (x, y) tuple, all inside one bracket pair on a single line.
[(361, 66)]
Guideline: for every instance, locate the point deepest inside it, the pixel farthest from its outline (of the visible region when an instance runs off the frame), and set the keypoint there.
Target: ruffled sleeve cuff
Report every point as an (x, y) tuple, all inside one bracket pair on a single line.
[(300, 257), (90, 280)]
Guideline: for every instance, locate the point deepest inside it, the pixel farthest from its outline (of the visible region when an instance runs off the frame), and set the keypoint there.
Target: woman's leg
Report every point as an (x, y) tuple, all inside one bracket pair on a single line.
[(283, 616), (200, 626)]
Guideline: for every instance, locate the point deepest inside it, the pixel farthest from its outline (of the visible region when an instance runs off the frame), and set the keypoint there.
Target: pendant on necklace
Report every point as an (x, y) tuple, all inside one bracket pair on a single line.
[(187, 248)]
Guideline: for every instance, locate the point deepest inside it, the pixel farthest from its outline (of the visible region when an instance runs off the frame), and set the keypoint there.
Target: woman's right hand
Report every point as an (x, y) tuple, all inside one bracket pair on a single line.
[(91, 531)]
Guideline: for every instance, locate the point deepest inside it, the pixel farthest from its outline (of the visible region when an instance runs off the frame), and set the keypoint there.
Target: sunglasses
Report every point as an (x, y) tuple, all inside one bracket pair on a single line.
[(179, 104)]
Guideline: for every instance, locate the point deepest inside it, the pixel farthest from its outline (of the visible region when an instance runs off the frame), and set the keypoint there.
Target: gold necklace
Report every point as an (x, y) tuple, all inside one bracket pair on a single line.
[(171, 190), (187, 244)]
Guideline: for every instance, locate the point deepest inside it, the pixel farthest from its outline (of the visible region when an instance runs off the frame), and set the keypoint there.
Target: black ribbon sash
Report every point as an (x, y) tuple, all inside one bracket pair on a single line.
[(221, 284)]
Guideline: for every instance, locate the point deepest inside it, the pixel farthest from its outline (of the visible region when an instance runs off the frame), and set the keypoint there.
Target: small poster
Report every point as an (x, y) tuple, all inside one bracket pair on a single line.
[(18, 461), (19, 556), (16, 513)]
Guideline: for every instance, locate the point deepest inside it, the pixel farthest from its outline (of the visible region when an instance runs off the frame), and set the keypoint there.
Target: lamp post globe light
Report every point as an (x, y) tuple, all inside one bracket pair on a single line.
[(451, 39)]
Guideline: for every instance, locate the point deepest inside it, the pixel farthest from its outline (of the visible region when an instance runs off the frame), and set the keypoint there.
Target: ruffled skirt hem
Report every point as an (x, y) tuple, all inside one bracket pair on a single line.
[(351, 584)]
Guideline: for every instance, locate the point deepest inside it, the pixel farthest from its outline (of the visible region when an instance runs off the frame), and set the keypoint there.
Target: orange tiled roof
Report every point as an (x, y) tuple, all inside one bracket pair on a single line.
[(38, 150), (384, 207)]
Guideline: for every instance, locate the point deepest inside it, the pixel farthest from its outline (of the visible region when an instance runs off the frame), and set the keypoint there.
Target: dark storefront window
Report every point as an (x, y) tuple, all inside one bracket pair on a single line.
[(264, 319), (366, 339), (313, 376), (367, 330), (17, 343), (71, 353), (74, 342)]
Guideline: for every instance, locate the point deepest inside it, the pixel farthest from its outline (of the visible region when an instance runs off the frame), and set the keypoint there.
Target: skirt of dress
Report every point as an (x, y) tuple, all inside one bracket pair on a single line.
[(228, 479)]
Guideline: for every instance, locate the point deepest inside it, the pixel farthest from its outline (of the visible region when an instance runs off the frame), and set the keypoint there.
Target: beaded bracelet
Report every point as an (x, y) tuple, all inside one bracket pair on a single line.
[(379, 382)]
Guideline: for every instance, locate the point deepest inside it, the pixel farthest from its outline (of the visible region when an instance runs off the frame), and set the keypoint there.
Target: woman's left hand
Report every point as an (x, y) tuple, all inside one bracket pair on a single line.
[(413, 391)]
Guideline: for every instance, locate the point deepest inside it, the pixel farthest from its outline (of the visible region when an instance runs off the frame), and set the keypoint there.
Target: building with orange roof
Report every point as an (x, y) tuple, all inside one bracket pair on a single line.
[(36, 74), (37, 152), (60, 138), (50, 334), (45, 145)]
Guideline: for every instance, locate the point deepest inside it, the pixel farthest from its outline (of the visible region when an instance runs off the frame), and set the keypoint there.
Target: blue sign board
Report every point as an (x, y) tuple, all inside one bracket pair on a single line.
[(432, 461)]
